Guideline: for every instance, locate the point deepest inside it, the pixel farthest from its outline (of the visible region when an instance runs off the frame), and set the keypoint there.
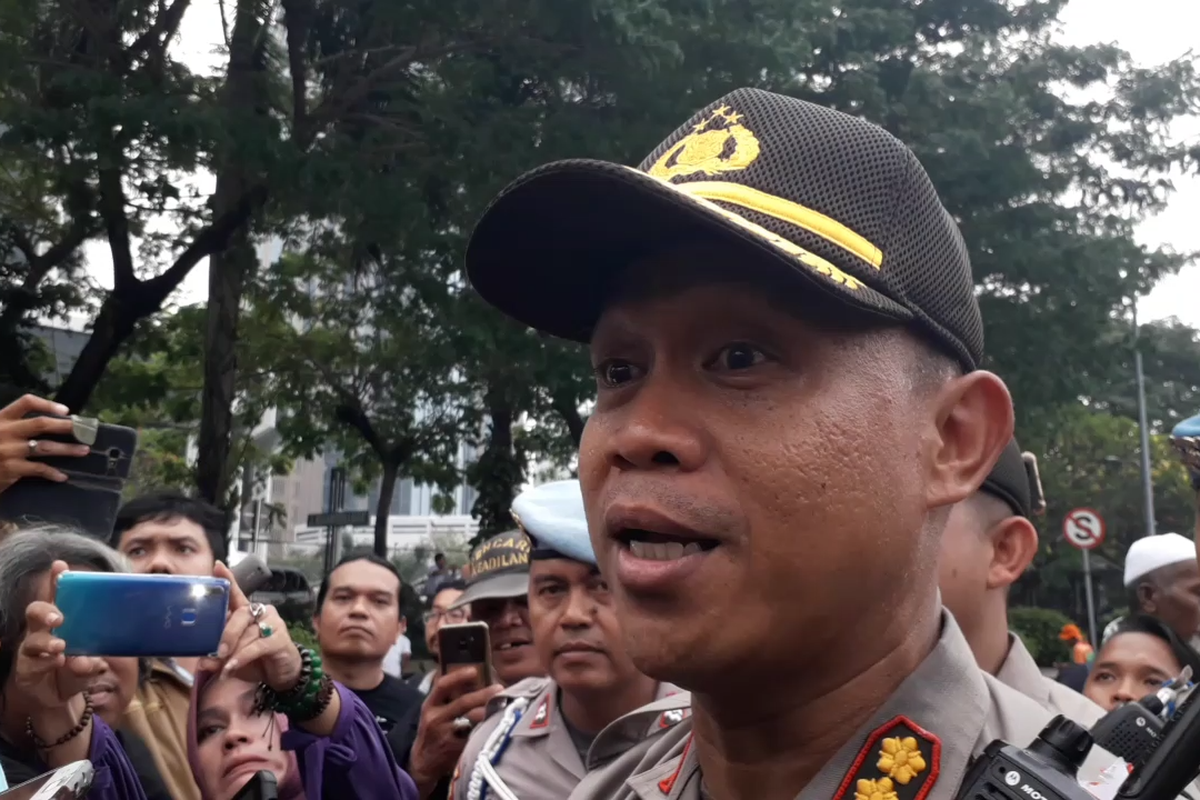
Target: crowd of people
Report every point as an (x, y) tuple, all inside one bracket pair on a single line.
[(783, 571)]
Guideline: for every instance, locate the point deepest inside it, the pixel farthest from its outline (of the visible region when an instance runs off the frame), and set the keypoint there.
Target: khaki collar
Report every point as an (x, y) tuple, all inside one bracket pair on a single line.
[(919, 742), (1019, 671)]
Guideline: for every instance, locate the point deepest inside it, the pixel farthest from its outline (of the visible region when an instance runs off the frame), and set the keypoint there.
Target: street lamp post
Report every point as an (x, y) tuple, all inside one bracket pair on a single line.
[(1144, 430)]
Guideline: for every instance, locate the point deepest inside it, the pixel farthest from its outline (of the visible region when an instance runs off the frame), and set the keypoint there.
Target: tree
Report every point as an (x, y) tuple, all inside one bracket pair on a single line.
[(1091, 459), (368, 366)]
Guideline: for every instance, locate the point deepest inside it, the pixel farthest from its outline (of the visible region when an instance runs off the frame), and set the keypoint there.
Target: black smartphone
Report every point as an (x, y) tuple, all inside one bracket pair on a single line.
[(466, 644), (90, 496), (261, 786), (251, 574)]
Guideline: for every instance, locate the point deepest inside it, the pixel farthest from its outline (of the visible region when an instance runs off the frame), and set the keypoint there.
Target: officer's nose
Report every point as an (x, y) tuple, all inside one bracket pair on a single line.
[(655, 429)]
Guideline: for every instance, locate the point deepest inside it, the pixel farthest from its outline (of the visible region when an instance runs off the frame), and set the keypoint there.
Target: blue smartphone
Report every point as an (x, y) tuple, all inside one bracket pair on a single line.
[(117, 614)]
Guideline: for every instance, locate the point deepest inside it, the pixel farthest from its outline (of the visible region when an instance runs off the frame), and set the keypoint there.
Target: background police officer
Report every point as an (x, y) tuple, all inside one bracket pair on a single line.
[(542, 743)]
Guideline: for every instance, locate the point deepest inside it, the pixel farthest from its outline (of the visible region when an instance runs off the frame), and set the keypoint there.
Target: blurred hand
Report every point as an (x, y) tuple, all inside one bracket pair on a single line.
[(439, 746), (245, 653), (41, 670), (20, 439)]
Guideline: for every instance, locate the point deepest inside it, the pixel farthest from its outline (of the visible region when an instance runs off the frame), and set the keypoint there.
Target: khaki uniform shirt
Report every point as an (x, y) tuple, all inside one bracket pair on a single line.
[(158, 714), (919, 742), (541, 761), (1019, 671)]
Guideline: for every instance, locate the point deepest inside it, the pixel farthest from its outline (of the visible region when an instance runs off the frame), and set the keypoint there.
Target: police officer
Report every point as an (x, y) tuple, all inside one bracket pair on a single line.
[(783, 326), (989, 542), (550, 731), (497, 594)]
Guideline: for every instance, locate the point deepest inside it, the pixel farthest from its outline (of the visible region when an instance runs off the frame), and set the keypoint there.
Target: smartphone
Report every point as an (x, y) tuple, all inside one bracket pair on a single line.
[(261, 786), (466, 644), (90, 496), (116, 614), (251, 574), (70, 782)]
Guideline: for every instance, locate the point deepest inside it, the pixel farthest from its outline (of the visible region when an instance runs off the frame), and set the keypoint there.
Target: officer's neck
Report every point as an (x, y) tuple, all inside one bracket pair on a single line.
[(354, 674), (770, 743), (591, 712)]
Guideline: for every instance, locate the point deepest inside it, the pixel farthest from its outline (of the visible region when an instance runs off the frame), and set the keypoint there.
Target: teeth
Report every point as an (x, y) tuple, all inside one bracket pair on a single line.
[(662, 551)]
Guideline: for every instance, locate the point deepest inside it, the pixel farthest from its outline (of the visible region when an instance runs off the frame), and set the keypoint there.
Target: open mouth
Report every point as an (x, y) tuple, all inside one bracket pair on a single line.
[(652, 546)]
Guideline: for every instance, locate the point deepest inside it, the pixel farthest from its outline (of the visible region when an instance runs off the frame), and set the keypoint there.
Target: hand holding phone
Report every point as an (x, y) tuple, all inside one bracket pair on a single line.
[(42, 671), (456, 695), (119, 614)]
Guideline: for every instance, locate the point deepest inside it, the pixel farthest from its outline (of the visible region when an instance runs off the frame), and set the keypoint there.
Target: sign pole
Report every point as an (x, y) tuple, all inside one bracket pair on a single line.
[(1091, 600), (1084, 530)]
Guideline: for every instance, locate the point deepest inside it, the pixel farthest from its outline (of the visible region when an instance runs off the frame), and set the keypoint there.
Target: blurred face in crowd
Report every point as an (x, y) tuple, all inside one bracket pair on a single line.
[(985, 548), (513, 655), (112, 689), (748, 475), (174, 546), (575, 628), (1129, 667), (441, 614), (233, 743), (360, 618), (1172, 594)]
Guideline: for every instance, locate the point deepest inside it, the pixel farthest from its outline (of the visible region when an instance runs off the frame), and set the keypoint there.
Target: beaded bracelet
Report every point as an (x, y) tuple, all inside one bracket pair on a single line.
[(308, 699), (84, 720)]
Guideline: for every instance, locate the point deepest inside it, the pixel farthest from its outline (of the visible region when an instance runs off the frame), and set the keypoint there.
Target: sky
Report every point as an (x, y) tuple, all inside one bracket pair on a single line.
[(1141, 32)]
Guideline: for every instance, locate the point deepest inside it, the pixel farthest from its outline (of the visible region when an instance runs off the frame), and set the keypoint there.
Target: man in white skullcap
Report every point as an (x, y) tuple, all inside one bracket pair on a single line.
[(544, 734), (1163, 580)]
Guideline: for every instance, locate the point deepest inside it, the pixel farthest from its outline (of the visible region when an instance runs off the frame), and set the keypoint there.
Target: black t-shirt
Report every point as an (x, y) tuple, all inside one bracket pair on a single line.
[(391, 701), (21, 766)]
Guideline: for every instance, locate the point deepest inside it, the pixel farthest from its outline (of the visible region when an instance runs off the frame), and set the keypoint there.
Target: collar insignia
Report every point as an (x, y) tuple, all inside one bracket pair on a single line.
[(673, 717), (899, 761), (541, 717), (667, 784)]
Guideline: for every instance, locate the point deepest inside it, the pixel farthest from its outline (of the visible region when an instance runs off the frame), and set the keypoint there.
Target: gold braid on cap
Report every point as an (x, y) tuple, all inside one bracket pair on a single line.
[(517, 519), (1038, 499)]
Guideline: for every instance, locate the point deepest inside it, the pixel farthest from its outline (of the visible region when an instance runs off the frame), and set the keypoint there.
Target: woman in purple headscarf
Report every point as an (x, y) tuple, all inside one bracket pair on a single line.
[(266, 705)]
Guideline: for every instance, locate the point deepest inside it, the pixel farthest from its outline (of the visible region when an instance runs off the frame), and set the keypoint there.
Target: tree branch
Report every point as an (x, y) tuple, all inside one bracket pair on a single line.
[(116, 226), (211, 239), (297, 18), (158, 35)]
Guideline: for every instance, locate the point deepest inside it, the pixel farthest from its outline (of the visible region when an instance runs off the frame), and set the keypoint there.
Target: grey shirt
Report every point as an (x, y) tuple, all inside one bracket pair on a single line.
[(1019, 671), (922, 739)]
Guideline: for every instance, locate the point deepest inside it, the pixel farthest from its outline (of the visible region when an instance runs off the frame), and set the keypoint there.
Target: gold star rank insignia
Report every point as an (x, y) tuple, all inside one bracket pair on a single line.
[(899, 761)]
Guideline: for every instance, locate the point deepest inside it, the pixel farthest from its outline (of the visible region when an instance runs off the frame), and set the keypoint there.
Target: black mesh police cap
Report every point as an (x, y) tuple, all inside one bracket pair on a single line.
[(1014, 480), (820, 198)]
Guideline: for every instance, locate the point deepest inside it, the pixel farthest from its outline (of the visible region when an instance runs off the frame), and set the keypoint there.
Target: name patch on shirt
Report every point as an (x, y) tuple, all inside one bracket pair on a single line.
[(900, 760)]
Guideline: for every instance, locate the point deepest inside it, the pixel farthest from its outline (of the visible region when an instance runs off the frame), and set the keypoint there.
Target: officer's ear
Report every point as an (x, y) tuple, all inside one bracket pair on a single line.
[(1014, 544), (973, 422)]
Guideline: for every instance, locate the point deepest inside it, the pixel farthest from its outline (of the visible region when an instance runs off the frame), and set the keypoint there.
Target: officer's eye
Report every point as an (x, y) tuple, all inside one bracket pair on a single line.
[(615, 372), (738, 356)]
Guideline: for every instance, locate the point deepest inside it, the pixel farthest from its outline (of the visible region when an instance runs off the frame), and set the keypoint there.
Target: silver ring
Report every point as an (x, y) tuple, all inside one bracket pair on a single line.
[(461, 725), (257, 610), (33, 447)]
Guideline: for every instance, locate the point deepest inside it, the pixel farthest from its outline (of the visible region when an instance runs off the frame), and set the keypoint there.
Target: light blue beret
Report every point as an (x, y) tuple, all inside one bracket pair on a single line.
[(552, 516)]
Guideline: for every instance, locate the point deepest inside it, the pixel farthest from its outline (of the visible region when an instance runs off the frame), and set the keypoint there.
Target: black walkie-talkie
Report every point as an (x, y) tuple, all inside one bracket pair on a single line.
[(1046, 770), (262, 786), (1130, 730)]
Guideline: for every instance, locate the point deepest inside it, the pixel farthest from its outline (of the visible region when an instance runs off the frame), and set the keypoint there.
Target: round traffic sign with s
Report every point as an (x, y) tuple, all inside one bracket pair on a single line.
[(1084, 528)]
